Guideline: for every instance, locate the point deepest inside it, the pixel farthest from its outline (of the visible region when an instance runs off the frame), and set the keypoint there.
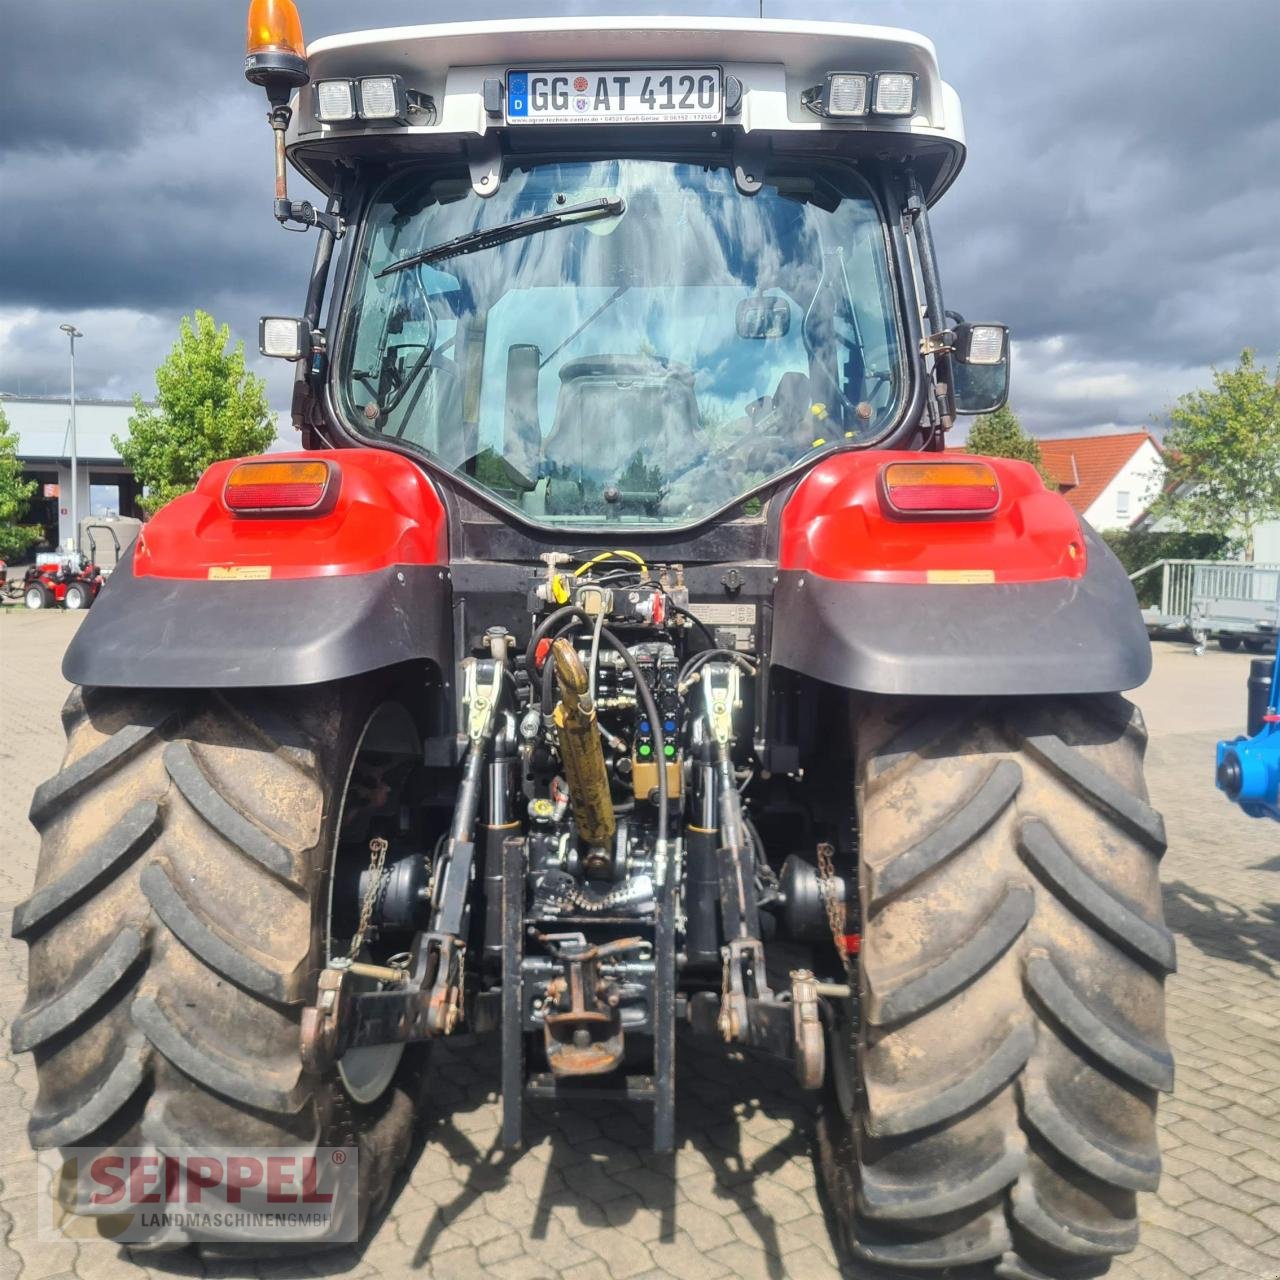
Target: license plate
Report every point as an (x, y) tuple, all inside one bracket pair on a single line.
[(673, 95)]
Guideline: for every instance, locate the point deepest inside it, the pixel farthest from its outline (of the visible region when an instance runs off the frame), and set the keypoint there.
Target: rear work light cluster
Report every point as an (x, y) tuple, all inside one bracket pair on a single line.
[(849, 95), (281, 488), (940, 488), (376, 98)]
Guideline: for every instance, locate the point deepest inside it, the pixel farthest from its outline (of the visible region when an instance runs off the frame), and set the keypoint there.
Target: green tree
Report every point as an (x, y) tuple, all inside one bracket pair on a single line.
[(1222, 454), (208, 407), (15, 493), (1000, 435)]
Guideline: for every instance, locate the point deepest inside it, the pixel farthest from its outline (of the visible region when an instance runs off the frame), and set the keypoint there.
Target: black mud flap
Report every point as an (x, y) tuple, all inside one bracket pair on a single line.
[(171, 633), (966, 640)]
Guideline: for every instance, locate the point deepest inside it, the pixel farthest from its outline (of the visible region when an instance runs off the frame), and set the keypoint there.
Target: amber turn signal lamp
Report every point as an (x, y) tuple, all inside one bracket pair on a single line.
[(275, 55), (281, 488), (940, 488)]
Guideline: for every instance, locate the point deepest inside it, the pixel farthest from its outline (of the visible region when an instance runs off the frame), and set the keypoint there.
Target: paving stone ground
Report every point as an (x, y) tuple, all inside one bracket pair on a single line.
[(587, 1201)]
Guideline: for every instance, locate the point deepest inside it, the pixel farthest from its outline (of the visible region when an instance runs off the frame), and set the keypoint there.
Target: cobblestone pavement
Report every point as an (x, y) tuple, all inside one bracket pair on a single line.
[(586, 1201)]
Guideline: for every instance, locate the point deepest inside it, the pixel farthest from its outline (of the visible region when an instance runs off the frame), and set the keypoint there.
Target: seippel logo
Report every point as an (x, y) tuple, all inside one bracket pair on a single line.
[(125, 1195)]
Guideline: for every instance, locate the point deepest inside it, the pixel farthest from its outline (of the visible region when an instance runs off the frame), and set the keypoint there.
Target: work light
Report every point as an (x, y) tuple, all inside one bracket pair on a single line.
[(844, 95), (894, 94), (986, 344), (382, 98), (284, 337), (335, 100)]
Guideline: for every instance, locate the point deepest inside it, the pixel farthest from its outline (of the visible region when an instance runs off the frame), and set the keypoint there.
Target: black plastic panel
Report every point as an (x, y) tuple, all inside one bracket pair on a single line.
[(170, 633), (1085, 636)]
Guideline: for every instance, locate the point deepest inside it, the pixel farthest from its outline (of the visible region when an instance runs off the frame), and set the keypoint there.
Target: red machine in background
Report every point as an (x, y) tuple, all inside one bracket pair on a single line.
[(68, 579)]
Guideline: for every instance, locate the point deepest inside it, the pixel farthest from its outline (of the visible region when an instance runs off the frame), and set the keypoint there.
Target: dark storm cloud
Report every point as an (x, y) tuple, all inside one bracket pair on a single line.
[(1121, 187), (1117, 208)]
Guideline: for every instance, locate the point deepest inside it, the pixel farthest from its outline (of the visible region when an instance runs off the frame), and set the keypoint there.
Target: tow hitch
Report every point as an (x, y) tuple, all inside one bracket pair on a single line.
[(582, 1017), (421, 1000)]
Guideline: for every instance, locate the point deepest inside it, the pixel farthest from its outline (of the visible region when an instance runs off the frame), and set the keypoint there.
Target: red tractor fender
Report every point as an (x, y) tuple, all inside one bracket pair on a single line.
[(385, 513), (210, 599), (1026, 599), (838, 525)]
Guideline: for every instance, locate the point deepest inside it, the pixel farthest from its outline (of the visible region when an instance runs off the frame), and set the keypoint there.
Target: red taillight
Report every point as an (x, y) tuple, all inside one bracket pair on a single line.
[(298, 488), (940, 488)]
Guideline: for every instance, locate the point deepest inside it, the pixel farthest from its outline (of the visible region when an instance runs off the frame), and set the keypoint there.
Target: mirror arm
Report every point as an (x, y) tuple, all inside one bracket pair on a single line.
[(331, 229), (916, 215)]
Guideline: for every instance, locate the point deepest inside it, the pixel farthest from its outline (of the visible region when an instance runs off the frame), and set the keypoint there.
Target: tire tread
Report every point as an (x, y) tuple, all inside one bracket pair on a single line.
[(989, 939)]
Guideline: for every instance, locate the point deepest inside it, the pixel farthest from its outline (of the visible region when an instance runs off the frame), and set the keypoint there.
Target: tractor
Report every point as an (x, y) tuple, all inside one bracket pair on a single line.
[(621, 658)]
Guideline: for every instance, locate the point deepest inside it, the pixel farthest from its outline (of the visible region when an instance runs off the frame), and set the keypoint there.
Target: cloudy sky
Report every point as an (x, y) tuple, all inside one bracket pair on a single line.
[(1118, 208)]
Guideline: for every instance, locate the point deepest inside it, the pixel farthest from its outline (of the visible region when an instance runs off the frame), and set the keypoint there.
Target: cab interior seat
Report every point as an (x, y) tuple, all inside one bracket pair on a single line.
[(606, 403)]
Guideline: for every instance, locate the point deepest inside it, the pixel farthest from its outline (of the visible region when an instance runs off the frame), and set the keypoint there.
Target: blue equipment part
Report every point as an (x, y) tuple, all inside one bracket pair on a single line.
[(1249, 767)]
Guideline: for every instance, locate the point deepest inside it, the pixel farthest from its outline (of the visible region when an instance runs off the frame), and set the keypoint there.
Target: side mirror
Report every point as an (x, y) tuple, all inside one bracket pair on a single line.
[(763, 317), (980, 367), (284, 337)]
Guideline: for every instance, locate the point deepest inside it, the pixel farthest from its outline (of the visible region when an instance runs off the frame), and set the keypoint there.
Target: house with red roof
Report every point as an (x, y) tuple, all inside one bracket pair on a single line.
[(1110, 480)]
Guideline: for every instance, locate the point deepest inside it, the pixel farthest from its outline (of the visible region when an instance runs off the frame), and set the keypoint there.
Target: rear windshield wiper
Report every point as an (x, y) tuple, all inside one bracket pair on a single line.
[(488, 237)]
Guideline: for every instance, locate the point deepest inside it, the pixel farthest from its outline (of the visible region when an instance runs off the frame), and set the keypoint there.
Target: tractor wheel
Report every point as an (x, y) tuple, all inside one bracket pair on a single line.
[(181, 915), (37, 597), (77, 597), (998, 1100), (1258, 646), (1229, 643)]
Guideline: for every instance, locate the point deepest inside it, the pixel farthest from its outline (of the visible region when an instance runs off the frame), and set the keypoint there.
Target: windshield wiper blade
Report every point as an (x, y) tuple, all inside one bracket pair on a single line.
[(488, 237)]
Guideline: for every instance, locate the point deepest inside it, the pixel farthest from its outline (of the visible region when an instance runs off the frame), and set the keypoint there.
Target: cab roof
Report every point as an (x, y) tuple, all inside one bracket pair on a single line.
[(776, 61)]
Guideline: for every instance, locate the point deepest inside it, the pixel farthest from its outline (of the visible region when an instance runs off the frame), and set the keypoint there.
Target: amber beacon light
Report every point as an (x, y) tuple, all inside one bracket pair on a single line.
[(276, 58), (274, 53)]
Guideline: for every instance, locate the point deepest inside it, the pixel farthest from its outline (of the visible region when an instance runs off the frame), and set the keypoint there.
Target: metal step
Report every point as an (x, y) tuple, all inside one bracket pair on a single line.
[(543, 1084)]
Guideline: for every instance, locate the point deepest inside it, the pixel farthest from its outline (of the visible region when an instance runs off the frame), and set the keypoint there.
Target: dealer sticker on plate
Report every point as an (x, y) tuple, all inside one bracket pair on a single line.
[(618, 95)]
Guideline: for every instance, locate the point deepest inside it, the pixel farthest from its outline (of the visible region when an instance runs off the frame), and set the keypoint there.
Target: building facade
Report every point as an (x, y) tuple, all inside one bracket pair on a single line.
[(1110, 480), (105, 485)]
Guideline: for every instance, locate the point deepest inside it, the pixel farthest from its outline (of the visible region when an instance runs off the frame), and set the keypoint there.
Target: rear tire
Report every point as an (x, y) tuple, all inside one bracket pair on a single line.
[(1011, 985), (178, 926), (77, 598)]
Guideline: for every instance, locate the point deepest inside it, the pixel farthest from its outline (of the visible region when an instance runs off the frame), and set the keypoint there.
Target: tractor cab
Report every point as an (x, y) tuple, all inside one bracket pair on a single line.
[(628, 271)]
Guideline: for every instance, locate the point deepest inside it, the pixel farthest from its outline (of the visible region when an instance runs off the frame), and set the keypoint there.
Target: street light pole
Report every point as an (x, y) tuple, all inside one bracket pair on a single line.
[(73, 333)]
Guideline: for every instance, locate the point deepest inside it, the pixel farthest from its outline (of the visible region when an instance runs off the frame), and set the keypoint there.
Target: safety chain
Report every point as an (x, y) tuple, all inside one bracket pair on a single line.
[(574, 898), (829, 888), (377, 860), (837, 918)]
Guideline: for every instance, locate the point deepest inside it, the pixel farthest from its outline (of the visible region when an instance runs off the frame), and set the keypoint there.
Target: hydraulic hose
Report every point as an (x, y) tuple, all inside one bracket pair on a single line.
[(703, 656), (544, 629)]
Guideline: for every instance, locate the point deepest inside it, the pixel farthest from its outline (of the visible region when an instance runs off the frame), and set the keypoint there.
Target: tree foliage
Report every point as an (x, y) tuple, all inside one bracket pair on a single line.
[(15, 493), (1000, 435), (208, 407), (1222, 453)]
